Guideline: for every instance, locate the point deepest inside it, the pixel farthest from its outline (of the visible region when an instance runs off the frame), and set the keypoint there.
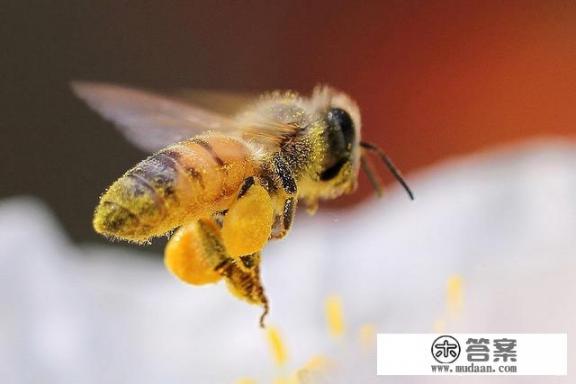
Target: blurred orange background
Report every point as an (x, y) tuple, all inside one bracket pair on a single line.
[(436, 79)]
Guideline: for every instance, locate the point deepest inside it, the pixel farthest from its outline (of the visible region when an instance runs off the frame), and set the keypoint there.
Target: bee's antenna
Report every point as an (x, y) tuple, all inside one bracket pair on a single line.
[(372, 177), (391, 167)]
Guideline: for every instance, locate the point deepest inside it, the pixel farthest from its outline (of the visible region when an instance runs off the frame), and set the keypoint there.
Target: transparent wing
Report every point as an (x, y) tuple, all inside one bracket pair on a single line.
[(254, 126), (223, 102), (148, 120)]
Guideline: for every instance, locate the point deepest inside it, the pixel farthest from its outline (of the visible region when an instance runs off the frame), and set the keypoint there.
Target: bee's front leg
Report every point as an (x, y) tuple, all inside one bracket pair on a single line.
[(284, 217), (286, 198)]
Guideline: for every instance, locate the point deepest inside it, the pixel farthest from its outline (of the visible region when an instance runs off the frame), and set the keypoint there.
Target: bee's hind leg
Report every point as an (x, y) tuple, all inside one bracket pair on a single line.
[(247, 225), (196, 255), (244, 282)]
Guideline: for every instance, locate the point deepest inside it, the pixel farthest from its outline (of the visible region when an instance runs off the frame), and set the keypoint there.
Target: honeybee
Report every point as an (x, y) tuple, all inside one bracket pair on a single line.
[(227, 184)]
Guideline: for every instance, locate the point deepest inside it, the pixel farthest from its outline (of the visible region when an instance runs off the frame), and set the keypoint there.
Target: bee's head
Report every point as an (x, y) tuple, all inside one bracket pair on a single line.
[(343, 152), (340, 138)]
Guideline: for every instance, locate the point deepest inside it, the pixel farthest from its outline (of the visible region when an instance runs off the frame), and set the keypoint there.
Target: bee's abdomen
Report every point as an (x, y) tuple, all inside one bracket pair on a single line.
[(183, 182)]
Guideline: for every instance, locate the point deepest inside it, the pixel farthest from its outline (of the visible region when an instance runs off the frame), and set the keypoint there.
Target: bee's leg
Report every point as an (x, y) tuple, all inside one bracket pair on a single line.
[(286, 198), (244, 282), (284, 218), (194, 253), (247, 224)]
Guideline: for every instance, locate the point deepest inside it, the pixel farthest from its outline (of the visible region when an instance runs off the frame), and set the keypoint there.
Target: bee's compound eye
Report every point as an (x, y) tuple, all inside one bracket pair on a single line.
[(340, 120), (340, 139)]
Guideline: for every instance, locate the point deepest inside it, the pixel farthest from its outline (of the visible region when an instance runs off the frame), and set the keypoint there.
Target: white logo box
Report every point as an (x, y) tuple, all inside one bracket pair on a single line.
[(411, 354)]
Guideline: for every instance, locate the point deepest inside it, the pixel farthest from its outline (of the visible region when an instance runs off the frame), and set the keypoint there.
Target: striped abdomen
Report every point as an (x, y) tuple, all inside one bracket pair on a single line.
[(183, 182)]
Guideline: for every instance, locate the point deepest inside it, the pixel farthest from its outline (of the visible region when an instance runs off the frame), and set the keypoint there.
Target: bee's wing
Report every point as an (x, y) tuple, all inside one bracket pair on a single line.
[(148, 120), (223, 102), (254, 126)]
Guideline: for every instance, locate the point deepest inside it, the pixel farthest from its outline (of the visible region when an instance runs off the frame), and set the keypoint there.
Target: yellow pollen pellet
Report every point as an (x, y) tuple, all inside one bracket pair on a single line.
[(248, 223), (185, 257)]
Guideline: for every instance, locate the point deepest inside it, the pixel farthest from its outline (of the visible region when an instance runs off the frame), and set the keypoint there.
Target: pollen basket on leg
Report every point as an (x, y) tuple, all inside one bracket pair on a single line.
[(248, 224), (194, 253)]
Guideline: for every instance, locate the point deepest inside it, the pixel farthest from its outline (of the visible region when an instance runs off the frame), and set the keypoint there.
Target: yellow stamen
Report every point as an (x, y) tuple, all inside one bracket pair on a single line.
[(245, 380), (334, 316), (367, 335), (454, 296), (289, 380), (312, 370), (277, 346), (439, 326), (316, 363)]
